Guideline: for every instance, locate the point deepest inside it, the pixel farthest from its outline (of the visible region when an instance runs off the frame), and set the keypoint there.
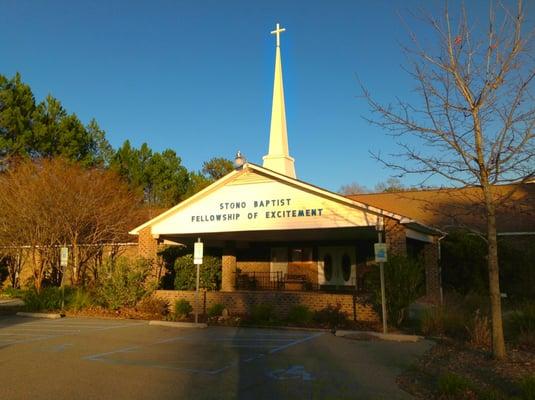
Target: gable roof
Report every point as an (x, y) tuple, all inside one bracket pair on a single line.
[(462, 207), (249, 167)]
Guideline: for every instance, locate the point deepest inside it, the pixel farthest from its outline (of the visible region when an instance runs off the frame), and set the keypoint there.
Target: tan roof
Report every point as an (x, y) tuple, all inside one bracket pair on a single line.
[(449, 208)]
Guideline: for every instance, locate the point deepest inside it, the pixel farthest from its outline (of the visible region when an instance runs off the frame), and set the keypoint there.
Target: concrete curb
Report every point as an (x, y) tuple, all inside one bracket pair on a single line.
[(38, 315), (393, 337), (178, 324), (11, 303)]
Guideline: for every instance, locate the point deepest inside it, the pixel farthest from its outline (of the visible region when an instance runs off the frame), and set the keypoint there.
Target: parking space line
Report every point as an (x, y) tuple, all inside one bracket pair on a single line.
[(270, 343), (296, 342)]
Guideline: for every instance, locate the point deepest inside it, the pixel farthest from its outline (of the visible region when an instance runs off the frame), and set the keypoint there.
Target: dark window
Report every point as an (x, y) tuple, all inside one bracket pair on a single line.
[(346, 267), (327, 267)]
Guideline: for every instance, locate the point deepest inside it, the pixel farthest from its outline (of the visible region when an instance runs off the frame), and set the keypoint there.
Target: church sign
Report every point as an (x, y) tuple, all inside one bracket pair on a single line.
[(254, 202)]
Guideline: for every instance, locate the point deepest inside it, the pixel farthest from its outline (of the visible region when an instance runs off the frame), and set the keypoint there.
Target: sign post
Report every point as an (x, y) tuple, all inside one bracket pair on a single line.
[(197, 260), (64, 260), (381, 257)]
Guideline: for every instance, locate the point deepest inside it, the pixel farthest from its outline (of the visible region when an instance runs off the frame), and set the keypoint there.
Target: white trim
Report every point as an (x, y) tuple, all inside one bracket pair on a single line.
[(422, 237), (280, 177)]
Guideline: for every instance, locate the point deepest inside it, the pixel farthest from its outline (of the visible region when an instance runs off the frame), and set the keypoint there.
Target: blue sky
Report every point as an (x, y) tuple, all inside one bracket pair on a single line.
[(196, 76)]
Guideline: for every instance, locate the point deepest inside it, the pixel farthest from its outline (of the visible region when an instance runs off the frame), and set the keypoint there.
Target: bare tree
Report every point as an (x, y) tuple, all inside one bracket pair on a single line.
[(474, 116), (352, 188), (52, 203)]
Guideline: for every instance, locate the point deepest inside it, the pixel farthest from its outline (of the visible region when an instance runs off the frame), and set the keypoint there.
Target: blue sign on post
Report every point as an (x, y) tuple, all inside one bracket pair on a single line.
[(380, 252)]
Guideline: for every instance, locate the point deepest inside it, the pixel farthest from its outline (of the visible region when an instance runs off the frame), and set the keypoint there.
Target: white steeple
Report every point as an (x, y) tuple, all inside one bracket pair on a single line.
[(278, 158)]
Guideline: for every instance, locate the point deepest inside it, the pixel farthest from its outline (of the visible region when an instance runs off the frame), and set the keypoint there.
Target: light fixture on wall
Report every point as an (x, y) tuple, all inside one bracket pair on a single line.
[(239, 161)]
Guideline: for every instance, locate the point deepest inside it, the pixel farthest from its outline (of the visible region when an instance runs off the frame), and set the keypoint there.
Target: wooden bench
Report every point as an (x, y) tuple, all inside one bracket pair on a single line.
[(295, 282)]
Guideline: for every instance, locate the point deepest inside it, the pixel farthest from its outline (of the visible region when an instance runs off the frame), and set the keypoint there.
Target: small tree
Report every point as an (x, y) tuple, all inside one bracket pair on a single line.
[(475, 117), (404, 283)]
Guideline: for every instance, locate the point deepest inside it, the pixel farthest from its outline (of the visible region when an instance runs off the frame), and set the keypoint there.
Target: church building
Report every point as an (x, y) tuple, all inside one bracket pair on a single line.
[(276, 233)]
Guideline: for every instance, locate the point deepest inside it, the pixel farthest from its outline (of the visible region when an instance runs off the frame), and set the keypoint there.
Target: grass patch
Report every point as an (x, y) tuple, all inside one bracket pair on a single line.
[(453, 386)]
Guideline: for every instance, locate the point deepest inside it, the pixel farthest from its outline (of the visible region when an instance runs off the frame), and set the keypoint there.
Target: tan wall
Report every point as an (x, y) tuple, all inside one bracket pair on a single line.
[(254, 266), (241, 302)]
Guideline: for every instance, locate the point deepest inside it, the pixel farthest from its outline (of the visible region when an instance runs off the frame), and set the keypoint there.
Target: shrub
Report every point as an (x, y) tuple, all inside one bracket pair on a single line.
[(444, 320), (209, 273), (12, 292), (48, 299), (479, 331), (216, 310), (300, 315), (153, 305), (331, 316), (452, 385), (527, 388), (182, 309), (263, 313), (122, 282), (79, 299), (520, 325), (404, 283)]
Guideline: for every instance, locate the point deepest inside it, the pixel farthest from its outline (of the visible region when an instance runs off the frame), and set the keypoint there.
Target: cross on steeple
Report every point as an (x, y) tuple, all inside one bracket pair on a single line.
[(277, 32)]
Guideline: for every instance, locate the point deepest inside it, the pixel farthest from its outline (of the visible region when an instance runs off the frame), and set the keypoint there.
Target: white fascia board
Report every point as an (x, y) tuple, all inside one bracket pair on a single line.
[(422, 237), (184, 203)]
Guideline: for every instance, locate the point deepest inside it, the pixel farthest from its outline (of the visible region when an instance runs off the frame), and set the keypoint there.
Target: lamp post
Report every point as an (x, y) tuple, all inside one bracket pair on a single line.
[(379, 227), (239, 160)]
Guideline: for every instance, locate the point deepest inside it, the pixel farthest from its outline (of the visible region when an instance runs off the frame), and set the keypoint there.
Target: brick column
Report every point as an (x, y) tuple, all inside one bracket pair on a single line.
[(147, 245), (228, 273), (432, 272), (396, 239)]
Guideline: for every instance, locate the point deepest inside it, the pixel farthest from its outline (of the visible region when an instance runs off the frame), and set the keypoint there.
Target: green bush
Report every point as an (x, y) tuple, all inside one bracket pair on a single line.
[(122, 282), (182, 309), (78, 299), (216, 310), (404, 283), (527, 388), (153, 305), (209, 273), (520, 325), (49, 299), (12, 292), (331, 316), (452, 385), (263, 314), (300, 315), (444, 320)]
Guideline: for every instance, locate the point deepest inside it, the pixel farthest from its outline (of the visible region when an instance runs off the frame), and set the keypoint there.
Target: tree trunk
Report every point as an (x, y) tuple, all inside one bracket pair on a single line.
[(498, 344)]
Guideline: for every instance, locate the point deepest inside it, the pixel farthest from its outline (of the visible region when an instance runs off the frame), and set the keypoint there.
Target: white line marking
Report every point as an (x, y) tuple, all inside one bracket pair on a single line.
[(98, 357), (295, 342)]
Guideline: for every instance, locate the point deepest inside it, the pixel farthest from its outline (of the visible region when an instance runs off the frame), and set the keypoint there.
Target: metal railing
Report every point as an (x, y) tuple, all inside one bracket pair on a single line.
[(262, 280)]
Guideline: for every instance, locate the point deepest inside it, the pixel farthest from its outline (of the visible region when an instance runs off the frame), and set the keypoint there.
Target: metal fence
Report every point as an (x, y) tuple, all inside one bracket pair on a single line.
[(279, 280)]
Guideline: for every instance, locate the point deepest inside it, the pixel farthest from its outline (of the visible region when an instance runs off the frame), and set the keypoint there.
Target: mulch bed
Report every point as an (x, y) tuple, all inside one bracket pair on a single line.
[(489, 378)]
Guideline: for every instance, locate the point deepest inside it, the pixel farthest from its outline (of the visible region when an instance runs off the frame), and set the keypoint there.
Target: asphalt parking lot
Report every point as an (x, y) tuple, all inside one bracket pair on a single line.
[(86, 358)]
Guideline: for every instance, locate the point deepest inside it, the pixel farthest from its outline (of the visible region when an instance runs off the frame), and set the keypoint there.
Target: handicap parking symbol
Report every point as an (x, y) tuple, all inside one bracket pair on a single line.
[(293, 372)]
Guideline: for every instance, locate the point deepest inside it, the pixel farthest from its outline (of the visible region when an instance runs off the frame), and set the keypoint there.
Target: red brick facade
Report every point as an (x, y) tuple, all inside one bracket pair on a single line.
[(228, 266), (241, 302), (396, 238), (148, 246), (432, 272)]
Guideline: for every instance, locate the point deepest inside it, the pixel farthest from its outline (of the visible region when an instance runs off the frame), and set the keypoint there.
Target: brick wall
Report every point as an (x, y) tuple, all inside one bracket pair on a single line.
[(432, 272), (148, 246), (254, 266), (241, 302), (396, 238), (228, 269)]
